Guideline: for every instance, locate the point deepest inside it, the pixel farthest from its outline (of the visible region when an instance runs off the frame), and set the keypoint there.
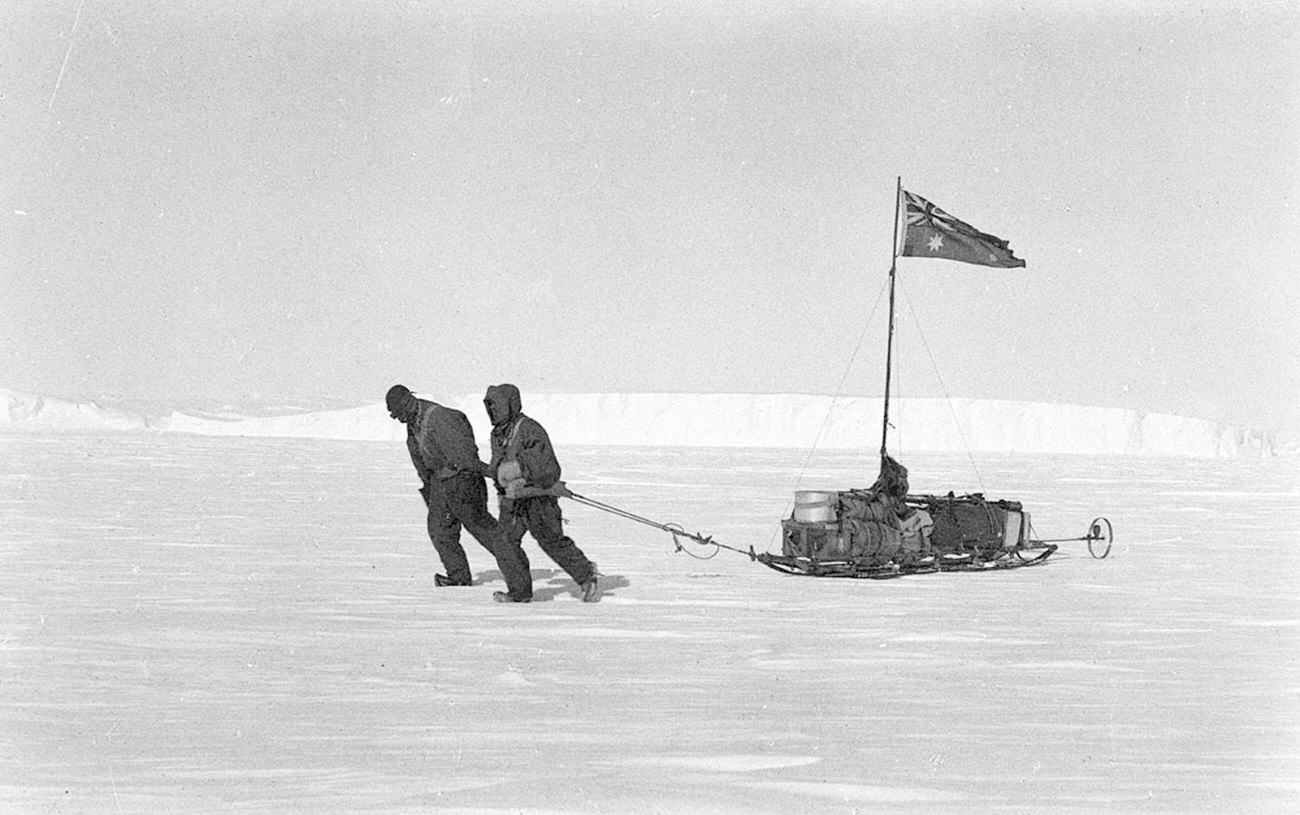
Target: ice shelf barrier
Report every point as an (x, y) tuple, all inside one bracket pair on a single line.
[(714, 420)]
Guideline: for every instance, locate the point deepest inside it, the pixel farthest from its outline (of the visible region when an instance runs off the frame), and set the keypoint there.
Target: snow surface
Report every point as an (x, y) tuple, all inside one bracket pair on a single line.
[(720, 420), (192, 624)]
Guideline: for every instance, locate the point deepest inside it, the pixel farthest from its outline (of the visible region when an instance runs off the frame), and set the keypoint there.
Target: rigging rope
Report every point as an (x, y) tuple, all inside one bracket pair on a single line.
[(944, 388), (839, 391)]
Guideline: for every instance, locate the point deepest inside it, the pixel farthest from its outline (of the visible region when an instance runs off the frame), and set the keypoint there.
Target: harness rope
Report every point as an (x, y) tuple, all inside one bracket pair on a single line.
[(673, 529)]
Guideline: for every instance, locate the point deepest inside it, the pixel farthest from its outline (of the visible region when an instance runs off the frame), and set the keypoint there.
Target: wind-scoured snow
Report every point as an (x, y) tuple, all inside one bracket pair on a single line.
[(208, 625), (722, 420)]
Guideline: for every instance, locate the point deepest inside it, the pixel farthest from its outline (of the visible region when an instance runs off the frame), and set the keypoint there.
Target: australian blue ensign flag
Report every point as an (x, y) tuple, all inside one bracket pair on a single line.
[(929, 232)]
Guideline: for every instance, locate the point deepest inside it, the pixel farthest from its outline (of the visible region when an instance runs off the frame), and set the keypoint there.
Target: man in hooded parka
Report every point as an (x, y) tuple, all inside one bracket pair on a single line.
[(442, 447), (524, 468)]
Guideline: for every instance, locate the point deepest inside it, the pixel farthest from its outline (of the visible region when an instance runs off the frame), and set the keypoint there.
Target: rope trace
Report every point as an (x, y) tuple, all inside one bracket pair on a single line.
[(676, 530)]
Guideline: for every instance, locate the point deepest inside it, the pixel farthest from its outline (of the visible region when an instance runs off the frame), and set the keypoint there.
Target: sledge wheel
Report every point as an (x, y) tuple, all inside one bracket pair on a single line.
[(1099, 538)]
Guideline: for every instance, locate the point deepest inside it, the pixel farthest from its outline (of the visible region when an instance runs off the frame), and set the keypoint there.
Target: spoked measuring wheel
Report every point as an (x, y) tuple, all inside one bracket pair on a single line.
[(1099, 537)]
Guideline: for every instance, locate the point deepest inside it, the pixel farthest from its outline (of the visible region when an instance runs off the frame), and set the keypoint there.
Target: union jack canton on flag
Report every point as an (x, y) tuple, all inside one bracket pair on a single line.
[(932, 233)]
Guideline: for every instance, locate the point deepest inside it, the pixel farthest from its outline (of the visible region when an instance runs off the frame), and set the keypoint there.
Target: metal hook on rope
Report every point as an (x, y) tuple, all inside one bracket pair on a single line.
[(678, 532)]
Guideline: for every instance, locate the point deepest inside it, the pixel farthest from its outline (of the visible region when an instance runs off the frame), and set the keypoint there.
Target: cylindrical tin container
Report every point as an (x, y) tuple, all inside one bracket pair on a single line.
[(812, 506)]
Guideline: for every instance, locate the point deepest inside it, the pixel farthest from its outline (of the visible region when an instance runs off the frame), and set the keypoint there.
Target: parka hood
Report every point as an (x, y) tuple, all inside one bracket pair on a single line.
[(503, 403)]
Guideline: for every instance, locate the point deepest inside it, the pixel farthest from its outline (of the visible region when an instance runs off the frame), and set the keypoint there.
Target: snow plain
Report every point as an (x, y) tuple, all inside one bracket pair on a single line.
[(196, 624)]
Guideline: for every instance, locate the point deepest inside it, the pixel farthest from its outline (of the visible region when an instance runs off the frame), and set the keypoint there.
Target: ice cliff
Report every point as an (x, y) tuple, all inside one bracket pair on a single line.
[(716, 420)]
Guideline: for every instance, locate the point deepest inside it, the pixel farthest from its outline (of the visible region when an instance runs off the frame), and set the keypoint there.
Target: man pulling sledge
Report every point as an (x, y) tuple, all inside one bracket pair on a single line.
[(442, 447), (527, 477)]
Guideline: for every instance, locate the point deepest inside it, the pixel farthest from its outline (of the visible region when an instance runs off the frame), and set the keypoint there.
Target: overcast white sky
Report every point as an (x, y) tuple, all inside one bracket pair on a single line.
[(278, 202)]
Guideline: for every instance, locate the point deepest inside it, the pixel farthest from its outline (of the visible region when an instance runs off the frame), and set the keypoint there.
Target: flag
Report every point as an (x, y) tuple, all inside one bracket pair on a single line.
[(929, 232)]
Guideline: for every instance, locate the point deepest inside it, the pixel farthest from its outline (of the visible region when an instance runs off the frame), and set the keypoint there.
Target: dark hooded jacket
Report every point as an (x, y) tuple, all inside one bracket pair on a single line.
[(516, 437)]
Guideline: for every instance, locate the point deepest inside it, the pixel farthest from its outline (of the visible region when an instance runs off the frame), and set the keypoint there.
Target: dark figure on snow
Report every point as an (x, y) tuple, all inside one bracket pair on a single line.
[(441, 442), (526, 473)]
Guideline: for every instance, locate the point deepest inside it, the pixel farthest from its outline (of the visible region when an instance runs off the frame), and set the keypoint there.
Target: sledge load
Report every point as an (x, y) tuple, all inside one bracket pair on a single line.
[(885, 532)]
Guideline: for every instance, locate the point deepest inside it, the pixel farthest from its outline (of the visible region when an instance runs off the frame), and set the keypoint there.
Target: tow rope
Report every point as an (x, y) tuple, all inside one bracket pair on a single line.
[(673, 529)]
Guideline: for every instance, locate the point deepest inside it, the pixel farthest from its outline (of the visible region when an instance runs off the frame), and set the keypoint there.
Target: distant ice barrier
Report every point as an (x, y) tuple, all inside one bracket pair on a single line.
[(25, 411), (921, 425), (795, 421)]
